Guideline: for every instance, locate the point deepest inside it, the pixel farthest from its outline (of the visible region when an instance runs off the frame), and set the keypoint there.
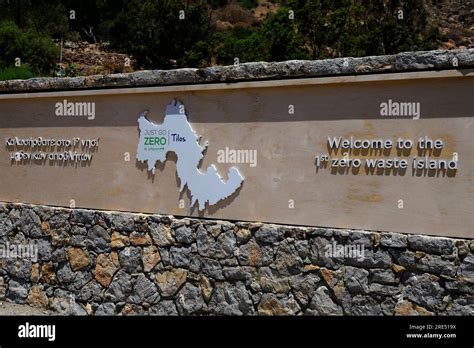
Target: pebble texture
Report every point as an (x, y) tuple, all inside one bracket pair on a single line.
[(105, 263), (401, 62)]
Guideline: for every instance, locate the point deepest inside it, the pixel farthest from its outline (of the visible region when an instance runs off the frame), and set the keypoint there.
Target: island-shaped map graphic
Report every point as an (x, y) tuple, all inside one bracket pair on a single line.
[(176, 134)]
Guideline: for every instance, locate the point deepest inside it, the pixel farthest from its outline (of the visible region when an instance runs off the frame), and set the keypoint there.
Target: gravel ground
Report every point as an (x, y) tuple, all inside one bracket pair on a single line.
[(7, 308)]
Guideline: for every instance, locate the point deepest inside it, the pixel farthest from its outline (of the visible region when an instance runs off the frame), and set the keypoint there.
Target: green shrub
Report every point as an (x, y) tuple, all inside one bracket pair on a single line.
[(249, 48), (344, 28), (37, 51), (155, 35), (283, 40), (42, 16), (199, 56), (248, 3), (71, 70), (218, 3), (12, 73)]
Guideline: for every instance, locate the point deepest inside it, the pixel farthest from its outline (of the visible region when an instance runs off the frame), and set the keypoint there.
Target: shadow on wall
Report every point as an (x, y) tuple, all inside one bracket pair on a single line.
[(438, 98), (160, 166)]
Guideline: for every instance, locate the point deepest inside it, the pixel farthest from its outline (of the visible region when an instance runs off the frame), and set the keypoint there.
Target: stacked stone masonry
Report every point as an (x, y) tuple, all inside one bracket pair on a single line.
[(108, 263)]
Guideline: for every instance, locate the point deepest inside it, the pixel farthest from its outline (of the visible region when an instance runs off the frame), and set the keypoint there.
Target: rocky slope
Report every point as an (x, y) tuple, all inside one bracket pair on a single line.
[(455, 19)]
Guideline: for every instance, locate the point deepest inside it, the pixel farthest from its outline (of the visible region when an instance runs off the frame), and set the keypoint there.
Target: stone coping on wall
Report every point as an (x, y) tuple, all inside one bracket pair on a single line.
[(256, 71), (210, 220), (92, 262)]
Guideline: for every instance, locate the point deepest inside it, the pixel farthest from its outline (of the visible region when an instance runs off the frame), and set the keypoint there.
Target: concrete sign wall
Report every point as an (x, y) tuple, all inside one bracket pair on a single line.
[(389, 152)]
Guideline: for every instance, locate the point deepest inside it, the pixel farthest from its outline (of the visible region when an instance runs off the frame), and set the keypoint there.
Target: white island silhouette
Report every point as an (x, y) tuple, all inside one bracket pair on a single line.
[(175, 134)]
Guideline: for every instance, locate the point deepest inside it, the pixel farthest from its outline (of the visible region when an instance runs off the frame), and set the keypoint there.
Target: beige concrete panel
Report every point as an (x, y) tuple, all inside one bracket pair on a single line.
[(257, 119)]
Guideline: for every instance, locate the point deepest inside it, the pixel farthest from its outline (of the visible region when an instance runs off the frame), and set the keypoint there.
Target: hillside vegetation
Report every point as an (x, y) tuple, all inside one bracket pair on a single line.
[(71, 37)]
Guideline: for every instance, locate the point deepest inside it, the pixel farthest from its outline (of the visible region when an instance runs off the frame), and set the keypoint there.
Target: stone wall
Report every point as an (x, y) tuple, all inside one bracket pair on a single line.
[(258, 71), (96, 262)]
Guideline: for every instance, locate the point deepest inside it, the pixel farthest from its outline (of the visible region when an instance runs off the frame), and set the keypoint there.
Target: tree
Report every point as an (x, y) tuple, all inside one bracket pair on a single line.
[(43, 16), (160, 33), (199, 56), (244, 44), (283, 40), (341, 28), (36, 51)]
